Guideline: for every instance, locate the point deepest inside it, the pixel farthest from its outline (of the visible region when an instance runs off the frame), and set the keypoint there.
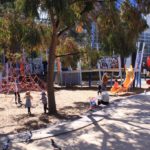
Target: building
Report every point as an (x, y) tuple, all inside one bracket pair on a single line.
[(145, 37)]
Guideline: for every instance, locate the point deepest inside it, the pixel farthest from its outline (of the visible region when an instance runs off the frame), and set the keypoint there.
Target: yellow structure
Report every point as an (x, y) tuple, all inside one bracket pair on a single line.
[(127, 82)]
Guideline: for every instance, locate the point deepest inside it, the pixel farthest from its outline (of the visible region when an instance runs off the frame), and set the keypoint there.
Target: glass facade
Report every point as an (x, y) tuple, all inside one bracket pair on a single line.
[(145, 37)]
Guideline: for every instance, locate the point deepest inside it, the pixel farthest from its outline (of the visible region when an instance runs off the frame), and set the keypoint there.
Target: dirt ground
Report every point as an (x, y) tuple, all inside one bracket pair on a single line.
[(71, 104)]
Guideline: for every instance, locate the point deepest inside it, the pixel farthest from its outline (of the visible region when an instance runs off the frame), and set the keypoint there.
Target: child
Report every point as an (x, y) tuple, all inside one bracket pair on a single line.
[(17, 94), (92, 103), (116, 84), (99, 89), (28, 98), (104, 98), (105, 80), (44, 101)]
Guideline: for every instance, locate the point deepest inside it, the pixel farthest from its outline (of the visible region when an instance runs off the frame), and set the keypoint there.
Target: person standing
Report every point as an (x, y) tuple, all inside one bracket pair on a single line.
[(28, 98), (17, 94), (105, 81), (144, 67), (44, 101), (99, 89)]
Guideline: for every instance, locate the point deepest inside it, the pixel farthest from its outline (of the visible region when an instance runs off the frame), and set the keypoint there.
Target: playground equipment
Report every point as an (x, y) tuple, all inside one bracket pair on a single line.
[(74, 77), (138, 63), (148, 82), (127, 82), (20, 77), (148, 62), (23, 82)]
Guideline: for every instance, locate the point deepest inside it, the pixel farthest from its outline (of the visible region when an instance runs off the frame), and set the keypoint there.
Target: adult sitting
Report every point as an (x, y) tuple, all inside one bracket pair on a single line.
[(104, 98)]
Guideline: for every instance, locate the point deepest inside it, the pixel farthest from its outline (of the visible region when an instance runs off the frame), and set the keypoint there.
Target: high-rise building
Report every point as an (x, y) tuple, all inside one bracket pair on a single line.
[(145, 37)]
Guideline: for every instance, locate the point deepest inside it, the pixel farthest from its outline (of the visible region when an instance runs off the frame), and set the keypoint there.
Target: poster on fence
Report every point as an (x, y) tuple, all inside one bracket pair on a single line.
[(110, 62)]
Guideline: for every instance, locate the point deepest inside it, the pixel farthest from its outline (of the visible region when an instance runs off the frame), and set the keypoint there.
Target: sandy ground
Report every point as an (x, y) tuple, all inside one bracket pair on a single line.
[(70, 104), (126, 128)]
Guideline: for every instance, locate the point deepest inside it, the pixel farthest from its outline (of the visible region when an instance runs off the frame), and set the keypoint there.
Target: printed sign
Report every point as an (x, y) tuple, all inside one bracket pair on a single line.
[(109, 62)]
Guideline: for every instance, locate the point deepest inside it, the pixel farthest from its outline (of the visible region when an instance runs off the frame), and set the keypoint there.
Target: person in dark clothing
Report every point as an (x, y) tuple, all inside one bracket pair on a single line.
[(44, 101), (104, 98), (17, 94), (45, 67), (99, 89)]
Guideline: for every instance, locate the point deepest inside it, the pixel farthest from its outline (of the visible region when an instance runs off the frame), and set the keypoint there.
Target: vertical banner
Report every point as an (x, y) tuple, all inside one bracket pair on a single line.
[(97, 43), (41, 60), (139, 57), (80, 71), (100, 77), (119, 66), (93, 34), (138, 63)]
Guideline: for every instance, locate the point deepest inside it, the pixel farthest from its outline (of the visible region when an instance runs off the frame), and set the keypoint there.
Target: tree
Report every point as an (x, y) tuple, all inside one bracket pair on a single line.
[(63, 14), (67, 48), (120, 28)]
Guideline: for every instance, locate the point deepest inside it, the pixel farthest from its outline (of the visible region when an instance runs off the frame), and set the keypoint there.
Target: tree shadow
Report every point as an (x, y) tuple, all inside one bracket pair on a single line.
[(75, 88), (31, 122), (2, 109), (64, 145), (72, 112), (64, 116), (23, 116), (114, 135), (44, 118), (81, 105)]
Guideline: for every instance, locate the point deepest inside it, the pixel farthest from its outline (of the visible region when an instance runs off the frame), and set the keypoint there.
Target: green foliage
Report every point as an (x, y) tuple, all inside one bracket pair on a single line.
[(1, 67), (4, 32), (119, 29), (68, 47), (143, 6), (28, 7)]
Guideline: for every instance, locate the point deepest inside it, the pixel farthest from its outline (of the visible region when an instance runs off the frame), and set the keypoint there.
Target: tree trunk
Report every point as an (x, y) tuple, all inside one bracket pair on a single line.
[(50, 73)]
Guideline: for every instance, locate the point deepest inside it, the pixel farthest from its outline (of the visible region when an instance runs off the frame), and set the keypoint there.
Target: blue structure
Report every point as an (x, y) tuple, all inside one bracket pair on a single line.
[(138, 64)]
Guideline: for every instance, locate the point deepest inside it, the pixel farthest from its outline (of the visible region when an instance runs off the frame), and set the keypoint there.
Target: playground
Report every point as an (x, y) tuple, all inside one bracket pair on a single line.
[(74, 75), (71, 104), (72, 90), (118, 126), (76, 94)]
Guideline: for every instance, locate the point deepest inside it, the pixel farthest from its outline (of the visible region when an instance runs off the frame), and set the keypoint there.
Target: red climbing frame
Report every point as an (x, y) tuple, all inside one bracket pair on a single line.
[(24, 83)]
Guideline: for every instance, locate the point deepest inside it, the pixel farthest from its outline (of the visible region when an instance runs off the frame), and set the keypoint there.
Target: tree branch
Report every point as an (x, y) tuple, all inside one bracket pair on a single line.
[(63, 30), (68, 54), (82, 12)]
